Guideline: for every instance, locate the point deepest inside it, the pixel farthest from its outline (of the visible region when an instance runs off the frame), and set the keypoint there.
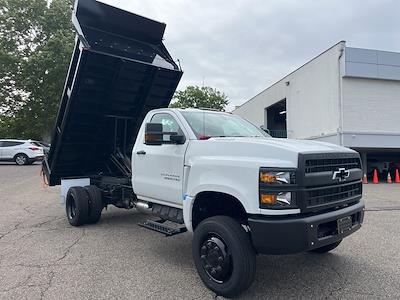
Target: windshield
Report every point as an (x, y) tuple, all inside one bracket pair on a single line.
[(34, 143), (40, 144), (208, 124)]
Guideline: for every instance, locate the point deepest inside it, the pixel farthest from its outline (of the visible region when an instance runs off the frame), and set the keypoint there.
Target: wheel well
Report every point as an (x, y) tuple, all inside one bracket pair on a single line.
[(20, 153), (208, 204)]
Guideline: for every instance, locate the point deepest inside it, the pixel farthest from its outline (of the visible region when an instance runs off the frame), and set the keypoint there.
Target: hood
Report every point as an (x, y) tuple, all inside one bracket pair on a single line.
[(272, 152), (294, 145)]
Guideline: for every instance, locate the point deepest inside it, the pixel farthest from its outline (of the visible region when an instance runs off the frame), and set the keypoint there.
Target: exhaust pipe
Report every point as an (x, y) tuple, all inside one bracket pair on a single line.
[(143, 207)]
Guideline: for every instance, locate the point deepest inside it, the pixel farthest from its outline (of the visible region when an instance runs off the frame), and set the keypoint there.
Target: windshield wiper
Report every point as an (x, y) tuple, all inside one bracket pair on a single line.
[(233, 136), (228, 136), (247, 136)]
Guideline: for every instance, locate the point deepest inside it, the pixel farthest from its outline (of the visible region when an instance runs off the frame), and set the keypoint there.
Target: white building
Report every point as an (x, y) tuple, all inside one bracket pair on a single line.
[(346, 96)]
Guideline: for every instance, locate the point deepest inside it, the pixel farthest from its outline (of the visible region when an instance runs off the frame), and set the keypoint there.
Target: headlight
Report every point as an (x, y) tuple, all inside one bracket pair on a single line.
[(277, 189), (277, 177)]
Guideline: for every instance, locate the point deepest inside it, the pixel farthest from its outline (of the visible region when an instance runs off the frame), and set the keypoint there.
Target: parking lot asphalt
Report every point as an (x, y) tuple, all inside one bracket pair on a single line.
[(43, 257)]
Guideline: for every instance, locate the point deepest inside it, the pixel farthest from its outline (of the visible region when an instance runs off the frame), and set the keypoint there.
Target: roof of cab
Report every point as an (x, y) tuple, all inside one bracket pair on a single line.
[(208, 110)]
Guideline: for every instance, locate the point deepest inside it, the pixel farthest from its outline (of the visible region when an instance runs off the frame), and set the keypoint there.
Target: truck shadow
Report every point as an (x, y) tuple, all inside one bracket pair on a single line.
[(310, 276), (114, 217), (305, 275), (300, 276)]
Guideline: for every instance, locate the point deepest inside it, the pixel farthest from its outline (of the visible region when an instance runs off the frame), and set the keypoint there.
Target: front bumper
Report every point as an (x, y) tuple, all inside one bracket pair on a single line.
[(294, 234)]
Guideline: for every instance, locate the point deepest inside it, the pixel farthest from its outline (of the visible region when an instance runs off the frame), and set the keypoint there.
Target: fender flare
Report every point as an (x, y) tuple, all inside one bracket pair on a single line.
[(188, 202)]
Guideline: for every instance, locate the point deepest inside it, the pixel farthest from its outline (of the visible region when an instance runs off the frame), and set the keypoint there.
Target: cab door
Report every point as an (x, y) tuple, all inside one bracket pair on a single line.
[(158, 169)]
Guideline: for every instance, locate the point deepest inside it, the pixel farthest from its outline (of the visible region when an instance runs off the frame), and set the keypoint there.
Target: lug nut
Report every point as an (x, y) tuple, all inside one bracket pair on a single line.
[(220, 259)]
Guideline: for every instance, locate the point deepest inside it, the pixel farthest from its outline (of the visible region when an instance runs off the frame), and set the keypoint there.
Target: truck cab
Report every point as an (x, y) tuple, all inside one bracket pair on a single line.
[(237, 190), (259, 179)]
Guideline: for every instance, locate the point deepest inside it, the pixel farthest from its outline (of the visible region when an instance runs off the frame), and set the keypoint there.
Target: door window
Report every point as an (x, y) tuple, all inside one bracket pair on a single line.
[(10, 144), (168, 122)]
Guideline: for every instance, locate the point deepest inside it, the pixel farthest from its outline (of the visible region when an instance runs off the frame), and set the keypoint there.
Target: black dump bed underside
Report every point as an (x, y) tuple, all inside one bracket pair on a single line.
[(119, 71)]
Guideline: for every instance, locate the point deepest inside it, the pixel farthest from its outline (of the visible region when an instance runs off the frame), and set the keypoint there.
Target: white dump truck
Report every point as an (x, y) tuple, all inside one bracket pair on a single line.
[(239, 191)]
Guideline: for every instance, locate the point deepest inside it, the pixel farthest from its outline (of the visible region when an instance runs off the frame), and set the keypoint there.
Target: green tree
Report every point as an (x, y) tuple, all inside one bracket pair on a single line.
[(200, 97), (36, 41)]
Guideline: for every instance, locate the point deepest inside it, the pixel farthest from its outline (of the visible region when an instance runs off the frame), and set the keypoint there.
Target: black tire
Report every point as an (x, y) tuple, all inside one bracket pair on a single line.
[(326, 248), (77, 206), (230, 269), (95, 204), (21, 159)]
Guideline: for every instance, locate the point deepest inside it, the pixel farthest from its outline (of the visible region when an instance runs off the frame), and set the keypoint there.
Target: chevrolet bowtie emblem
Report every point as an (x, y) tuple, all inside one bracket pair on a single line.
[(341, 174)]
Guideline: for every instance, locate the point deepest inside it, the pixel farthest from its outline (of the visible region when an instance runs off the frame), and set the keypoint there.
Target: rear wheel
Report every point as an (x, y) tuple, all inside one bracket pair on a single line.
[(326, 248), (224, 256), (21, 159), (77, 206), (95, 204)]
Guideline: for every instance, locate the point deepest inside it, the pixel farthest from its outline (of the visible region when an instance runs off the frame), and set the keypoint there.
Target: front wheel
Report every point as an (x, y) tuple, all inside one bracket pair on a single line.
[(326, 248), (21, 159), (224, 256)]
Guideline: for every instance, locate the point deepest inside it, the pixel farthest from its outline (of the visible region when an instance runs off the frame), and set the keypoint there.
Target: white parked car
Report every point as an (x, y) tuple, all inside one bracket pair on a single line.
[(22, 152)]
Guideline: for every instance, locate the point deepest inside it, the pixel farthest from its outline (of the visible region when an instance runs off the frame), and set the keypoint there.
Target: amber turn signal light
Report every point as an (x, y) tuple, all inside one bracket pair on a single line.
[(267, 177), (268, 199)]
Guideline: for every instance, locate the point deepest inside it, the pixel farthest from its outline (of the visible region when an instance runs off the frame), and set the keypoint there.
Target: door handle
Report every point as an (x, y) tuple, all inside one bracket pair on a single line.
[(141, 152)]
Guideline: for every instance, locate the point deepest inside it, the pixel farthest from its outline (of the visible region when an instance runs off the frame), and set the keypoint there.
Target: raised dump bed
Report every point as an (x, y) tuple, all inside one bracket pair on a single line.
[(119, 70)]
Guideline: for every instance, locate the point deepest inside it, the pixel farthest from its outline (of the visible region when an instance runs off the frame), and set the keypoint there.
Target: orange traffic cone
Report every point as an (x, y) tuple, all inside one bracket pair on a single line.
[(389, 178), (375, 177), (365, 179), (397, 177)]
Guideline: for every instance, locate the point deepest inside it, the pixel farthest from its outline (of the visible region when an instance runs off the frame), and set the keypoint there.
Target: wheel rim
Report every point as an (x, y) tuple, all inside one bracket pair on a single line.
[(21, 160), (71, 209), (216, 259)]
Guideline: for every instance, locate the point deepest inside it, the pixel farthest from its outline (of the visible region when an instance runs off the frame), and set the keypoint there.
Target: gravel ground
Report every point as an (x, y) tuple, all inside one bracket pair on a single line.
[(42, 257)]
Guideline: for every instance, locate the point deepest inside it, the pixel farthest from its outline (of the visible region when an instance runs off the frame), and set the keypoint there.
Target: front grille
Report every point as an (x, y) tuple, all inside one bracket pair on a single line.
[(324, 197), (331, 164)]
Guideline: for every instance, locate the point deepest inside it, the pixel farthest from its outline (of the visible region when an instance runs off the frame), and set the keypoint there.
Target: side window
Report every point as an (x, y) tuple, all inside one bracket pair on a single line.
[(168, 122), (11, 144)]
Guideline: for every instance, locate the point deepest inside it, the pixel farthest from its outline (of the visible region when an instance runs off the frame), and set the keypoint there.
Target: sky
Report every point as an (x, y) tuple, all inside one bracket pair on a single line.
[(241, 47)]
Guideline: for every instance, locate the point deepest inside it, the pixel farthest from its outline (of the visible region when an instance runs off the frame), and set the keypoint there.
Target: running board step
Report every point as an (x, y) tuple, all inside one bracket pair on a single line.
[(162, 228)]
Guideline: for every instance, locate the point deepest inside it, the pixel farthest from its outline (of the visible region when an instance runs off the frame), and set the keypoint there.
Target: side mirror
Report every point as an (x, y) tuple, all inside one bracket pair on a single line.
[(175, 138), (153, 134)]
